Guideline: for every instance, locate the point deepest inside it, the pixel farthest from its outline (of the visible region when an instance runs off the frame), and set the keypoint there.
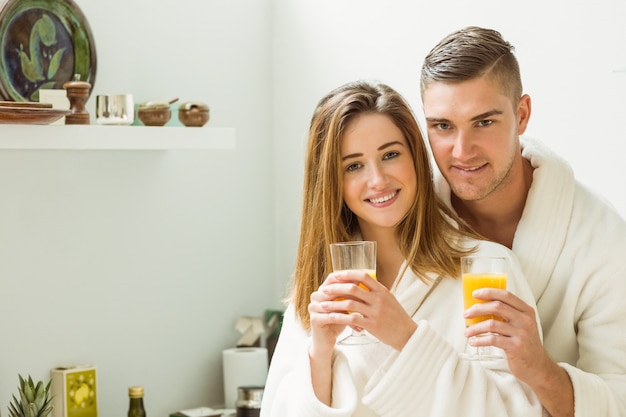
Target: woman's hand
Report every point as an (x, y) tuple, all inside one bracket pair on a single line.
[(380, 313), (324, 331)]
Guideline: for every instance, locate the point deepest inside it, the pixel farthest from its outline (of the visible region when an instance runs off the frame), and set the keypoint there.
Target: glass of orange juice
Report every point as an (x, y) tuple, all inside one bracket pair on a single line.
[(355, 255), (481, 272)]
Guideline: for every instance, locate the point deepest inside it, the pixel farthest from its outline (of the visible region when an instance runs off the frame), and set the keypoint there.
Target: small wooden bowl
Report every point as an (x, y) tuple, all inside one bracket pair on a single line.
[(154, 117), (193, 114)]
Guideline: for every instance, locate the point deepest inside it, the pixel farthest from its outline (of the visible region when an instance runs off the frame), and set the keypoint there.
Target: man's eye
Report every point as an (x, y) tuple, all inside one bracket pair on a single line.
[(485, 123), (442, 126)]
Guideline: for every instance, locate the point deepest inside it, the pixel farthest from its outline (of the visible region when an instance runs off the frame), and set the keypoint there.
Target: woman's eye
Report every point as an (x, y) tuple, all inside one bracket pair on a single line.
[(391, 154), (353, 167)]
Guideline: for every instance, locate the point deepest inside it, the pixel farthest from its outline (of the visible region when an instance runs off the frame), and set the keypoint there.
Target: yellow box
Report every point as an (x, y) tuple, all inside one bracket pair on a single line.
[(74, 391)]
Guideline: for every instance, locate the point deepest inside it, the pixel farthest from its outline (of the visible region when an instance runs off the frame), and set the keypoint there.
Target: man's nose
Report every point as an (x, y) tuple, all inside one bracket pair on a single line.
[(463, 145)]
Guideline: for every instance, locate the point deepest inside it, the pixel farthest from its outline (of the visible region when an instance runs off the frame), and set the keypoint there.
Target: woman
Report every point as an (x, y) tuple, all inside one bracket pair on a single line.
[(368, 177)]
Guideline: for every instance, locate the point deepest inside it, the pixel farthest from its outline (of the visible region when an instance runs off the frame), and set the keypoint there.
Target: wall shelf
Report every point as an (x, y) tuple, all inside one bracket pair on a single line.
[(97, 137)]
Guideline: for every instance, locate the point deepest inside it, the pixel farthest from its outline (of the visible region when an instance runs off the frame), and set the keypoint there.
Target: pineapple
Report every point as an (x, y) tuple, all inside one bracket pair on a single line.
[(35, 401)]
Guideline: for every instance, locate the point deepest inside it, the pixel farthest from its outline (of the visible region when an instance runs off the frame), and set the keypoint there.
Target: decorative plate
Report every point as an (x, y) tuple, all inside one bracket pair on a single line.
[(30, 115), (43, 44), (27, 104)]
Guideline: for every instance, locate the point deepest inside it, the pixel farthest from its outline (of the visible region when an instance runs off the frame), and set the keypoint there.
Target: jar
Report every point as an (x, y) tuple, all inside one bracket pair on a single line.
[(193, 114), (249, 401)]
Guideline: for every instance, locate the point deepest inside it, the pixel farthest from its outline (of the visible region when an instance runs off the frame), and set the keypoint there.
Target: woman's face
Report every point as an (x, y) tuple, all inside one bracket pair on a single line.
[(379, 179)]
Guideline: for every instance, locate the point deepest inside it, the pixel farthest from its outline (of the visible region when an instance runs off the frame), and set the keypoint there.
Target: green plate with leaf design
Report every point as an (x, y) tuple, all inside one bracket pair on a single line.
[(43, 44)]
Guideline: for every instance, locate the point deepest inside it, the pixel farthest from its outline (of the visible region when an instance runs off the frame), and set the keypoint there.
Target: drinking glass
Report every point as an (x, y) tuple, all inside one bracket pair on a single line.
[(481, 272), (355, 255)]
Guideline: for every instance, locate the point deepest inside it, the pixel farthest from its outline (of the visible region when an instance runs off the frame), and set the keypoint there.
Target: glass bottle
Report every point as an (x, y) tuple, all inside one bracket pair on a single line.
[(135, 408), (249, 401)]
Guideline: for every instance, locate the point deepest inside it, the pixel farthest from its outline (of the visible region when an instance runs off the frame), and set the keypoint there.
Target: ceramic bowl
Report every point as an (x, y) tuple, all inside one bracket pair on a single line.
[(115, 109), (193, 114)]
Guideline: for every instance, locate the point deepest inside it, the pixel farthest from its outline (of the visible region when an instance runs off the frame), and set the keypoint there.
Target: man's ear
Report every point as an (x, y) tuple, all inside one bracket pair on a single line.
[(523, 113)]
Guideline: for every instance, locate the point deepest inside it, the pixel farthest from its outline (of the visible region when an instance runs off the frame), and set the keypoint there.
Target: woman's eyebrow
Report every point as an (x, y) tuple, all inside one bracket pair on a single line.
[(388, 144), (380, 148)]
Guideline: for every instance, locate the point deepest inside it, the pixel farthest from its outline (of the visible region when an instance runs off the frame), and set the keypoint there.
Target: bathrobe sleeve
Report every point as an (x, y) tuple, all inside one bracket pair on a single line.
[(288, 389), (429, 374), (427, 378), (572, 247)]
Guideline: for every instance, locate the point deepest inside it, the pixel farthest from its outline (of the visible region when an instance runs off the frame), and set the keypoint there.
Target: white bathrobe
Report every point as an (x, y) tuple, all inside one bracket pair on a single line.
[(427, 378), (572, 248)]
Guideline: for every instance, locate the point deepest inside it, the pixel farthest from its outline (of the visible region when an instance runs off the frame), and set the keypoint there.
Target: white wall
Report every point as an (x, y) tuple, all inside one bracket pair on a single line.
[(568, 53), (140, 261)]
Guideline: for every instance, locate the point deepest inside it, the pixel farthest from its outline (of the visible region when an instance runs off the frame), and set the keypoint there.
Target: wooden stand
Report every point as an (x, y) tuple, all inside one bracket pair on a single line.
[(77, 93)]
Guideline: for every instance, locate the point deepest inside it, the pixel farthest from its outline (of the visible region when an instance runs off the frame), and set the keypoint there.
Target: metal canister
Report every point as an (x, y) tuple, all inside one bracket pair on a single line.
[(249, 401)]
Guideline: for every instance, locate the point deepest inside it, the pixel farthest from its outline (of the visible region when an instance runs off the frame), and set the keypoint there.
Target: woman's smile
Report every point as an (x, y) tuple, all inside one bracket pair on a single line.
[(387, 198)]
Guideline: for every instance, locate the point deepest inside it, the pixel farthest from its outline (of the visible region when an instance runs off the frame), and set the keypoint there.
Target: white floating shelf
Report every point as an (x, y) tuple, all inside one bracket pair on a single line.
[(97, 137)]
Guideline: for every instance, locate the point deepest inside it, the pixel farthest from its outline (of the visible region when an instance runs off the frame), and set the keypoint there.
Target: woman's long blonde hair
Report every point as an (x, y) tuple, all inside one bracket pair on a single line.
[(428, 236)]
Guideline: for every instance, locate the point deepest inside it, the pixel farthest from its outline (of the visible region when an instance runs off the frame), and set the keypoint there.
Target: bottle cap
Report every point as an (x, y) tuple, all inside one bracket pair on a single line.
[(135, 392), (250, 396)]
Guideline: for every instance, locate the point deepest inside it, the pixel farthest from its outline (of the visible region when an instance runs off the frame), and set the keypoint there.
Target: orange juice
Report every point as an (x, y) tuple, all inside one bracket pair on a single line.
[(370, 272), (474, 281)]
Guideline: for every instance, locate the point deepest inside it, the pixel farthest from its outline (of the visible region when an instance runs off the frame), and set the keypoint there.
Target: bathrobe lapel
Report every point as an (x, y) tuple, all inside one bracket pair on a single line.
[(411, 292), (548, 206)]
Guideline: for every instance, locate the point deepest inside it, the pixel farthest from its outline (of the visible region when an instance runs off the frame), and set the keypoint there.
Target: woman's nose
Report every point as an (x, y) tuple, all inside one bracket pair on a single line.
[(377, 176)]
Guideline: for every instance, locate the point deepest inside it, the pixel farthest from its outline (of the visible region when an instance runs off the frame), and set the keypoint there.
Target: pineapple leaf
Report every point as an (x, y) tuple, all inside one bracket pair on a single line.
[(31, 411), (13, 410), (23, 403), (39, 402), (35, 400), (46, 410), (38, 388), (28, 390), (21, 390)]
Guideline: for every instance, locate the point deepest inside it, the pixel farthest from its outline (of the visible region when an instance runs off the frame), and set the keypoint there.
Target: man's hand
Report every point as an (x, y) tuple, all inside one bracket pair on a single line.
[(518, 335)]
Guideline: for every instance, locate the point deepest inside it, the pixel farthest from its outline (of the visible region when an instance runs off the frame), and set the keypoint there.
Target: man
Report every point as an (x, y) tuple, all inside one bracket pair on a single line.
[(571, 244)]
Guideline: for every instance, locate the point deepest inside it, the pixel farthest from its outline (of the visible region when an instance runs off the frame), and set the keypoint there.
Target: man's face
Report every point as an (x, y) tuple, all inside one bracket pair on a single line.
[(474, 131)]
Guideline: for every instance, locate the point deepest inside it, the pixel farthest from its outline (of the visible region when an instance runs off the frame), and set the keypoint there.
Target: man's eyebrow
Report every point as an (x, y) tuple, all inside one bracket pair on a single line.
[(481, 116), (487, 114)]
